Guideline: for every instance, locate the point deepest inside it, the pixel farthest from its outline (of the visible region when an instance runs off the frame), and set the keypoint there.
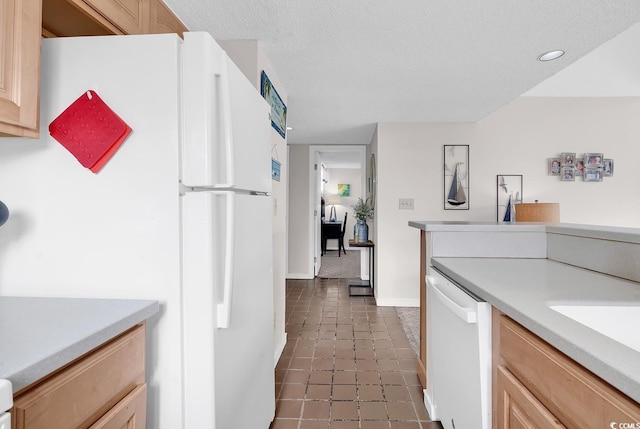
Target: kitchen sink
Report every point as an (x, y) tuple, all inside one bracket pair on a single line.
[(616, 321)]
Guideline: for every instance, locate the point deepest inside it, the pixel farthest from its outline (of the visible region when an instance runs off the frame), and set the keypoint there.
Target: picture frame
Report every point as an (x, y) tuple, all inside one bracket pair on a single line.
[(554, 166), (593, 175), (568, 174), (344, 189), (568, 159), (278, 108), (593, 160), (579, 167), (275, 170), (607, 167), (456, 177), (507, 185)]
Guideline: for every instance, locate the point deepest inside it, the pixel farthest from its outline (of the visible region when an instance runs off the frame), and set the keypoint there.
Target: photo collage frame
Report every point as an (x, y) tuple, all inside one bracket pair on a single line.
[(591, 166)]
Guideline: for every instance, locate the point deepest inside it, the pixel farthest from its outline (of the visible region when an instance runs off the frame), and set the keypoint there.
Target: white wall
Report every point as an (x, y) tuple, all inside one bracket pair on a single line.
[(516, 139), (249, 57)]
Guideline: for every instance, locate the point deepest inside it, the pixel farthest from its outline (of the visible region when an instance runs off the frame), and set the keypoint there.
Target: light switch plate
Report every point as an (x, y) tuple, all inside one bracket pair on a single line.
[(406, 203)]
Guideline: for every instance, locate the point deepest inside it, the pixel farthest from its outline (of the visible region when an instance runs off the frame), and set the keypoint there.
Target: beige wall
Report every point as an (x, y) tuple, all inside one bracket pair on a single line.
[(300, 265), (249, 57), (516, 139)]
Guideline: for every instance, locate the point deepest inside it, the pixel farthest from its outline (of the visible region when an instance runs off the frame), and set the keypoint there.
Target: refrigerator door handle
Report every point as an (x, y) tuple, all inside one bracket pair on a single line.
[(228, 123), (224, 308)]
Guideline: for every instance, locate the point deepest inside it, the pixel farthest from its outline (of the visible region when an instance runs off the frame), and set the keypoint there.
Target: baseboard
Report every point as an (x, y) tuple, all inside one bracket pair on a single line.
[(429, 405), (300, 276), (397, 302), (279, 350)]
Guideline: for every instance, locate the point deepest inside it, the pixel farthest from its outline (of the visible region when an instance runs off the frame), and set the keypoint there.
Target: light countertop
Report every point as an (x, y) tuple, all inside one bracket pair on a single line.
[(463, 226), (624, 234), (523, 288), (40, 335)]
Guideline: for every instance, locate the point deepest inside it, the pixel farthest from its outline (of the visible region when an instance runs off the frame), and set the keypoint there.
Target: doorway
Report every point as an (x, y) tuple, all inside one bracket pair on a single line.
[(338, 177)]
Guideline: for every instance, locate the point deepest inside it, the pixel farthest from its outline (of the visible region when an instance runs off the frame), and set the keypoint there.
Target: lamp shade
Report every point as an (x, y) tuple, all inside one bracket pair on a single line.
[(332, 200), (4, 213)]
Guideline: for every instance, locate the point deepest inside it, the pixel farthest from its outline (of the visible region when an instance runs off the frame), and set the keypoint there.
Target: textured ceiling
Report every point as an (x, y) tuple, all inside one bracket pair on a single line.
[(348, 64)]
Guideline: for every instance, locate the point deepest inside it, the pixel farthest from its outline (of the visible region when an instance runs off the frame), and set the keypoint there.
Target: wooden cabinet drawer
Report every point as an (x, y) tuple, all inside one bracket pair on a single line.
[(577, 397), (79, 394), (518, 408), (130, 413)]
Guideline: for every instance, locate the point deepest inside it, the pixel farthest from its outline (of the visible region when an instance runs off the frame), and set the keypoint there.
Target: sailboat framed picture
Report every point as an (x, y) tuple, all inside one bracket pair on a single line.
[(508, 193), (456, 177)]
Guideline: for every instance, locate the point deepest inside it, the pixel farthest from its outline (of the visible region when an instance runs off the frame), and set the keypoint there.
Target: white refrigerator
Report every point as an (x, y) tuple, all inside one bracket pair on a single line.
[(181, 213)]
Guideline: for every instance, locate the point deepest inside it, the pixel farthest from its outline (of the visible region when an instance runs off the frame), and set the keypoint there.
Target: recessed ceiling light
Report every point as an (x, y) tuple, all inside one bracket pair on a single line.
[(289, 128), (551, 55)]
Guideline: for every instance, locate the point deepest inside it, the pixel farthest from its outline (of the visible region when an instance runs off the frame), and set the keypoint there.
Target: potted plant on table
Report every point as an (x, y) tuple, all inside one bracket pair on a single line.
[(362, 211)]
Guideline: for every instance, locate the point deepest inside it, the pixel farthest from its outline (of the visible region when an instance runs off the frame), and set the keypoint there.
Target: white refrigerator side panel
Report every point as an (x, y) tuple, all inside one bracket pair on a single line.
[(115, 234), (251, 133), (231, 367), (227, 125)]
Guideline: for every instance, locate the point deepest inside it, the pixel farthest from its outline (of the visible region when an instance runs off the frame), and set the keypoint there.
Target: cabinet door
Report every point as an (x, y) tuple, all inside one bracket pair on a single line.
[(572, 393), (20, 26), (131, 16), (518, 408), (130, 413), (163, 20), (80, 393)]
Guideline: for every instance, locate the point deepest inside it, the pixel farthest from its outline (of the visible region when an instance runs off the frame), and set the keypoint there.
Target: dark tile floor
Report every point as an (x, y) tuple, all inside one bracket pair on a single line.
[(347, 363)]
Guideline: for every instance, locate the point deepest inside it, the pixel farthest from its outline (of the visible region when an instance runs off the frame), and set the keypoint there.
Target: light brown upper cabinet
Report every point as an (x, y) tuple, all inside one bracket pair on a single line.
[(20, 23), (163, 20), (95, 17), (104, 17)]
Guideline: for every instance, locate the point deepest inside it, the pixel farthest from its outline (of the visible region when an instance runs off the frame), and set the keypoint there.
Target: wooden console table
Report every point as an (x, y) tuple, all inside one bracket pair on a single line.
[(364, 287)]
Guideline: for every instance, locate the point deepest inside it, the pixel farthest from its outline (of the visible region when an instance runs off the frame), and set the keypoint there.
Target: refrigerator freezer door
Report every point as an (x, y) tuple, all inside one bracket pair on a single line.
[(237, 357), (226, 121)]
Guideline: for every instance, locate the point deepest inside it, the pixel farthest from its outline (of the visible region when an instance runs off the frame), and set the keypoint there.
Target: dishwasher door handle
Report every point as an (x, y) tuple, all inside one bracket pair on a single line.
[(468, 315)]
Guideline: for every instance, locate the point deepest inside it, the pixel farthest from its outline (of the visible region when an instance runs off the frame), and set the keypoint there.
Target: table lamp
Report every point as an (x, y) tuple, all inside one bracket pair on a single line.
[(4, 213), (332, 200)]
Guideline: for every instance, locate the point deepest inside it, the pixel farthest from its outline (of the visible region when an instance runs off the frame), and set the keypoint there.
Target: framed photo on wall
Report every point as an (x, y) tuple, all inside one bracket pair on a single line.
[(456, 177), (593, 160), (278, 108), (593, 175)]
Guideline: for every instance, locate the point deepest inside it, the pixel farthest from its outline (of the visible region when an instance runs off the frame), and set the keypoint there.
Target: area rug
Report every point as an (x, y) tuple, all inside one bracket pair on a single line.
[(410, 317), (344, 266)]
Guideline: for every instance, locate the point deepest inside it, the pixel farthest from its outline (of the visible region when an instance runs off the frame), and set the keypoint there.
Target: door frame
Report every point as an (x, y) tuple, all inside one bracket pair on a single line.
[(314, 198)]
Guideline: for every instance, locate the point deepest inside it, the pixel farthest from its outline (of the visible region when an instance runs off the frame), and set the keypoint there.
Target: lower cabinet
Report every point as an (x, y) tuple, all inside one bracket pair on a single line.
[(130, 413), (518, 408), (537, 386), (103, 389)]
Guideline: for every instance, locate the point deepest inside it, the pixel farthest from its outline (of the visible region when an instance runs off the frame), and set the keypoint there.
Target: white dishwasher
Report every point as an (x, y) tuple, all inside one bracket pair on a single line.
[(6, 402), (460, 341)]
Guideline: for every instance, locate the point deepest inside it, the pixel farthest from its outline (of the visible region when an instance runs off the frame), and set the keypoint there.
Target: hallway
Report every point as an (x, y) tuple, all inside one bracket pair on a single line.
[(347, 363)]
